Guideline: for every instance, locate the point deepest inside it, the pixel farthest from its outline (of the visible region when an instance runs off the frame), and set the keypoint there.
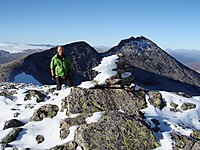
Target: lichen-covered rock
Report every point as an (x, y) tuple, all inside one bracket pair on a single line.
[(68, 122), (184, 143), (95, 100), (36, 94), (115, 130), (3, 94), (68, 146), (124, 81), (39, 138), (186, 106), (12, 124), (195, 134), (174, 109), (174, 104), (157, 123), (156, 99), (183, 94), (11, 136), (7, 93), (46, 111)]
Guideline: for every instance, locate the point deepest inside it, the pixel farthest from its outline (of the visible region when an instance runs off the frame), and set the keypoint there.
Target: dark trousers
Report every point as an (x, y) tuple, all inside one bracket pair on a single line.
[(59, 81)]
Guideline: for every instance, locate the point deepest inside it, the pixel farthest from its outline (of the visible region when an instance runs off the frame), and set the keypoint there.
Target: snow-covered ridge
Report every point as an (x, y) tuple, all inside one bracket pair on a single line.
[(16, 48)]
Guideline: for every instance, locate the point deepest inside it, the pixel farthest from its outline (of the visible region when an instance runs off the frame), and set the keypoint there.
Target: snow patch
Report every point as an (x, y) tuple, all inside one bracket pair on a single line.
[(48, 127), (180, 122), (96, 116), (106, 69), (126, 74), (86, 84)]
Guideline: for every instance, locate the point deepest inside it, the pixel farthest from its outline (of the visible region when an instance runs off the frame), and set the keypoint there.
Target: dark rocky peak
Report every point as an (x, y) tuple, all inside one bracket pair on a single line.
[(138, 42), (135, 45), (153, 67)]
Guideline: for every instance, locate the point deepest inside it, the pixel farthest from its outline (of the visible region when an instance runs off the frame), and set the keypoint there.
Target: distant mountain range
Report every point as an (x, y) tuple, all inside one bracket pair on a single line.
[(13, 51), (151, 66), (190, 58), (18, 48), (101, 49), (185, 56)]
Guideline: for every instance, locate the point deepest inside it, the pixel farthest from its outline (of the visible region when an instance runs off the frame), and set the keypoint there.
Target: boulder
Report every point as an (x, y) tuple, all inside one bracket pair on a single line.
[(13, 123), (157, 123), (96, 100), (36, 94), (68, 122), (68, 146), (156, 100), (115, 130), (11, 136), (174, 109), (39, 138), (46, 111), (3, 94), (183, 94), (184, 143), (186, 106), (195, 134)]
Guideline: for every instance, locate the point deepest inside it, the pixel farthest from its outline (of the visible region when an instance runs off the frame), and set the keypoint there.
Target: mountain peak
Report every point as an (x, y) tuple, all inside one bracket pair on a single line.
[(141, 43)]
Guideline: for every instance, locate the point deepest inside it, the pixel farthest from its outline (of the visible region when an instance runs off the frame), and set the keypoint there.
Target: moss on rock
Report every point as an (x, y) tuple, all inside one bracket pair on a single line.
[(46, 111), (156, 99), (95, 100), (115, 130), (186, 106)]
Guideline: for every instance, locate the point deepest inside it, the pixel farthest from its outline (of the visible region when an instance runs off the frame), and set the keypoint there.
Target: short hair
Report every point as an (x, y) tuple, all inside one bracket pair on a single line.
[(60, 47)]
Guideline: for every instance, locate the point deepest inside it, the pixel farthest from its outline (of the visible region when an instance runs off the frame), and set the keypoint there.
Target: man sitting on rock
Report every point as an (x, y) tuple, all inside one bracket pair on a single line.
[(60, 68)]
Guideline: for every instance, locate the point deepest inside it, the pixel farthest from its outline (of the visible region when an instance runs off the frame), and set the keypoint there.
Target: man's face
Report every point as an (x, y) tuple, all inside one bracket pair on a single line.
[(60, 51)]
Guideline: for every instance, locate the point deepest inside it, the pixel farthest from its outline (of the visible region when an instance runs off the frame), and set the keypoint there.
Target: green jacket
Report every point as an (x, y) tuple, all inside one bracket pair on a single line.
[(61, 66)]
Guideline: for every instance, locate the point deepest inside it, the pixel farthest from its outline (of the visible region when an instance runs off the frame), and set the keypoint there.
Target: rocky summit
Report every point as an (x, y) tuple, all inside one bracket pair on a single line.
[(112, 110), (115, 115)]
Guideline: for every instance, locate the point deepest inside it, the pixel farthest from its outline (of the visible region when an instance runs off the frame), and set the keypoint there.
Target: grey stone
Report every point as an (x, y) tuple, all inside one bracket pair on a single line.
[(183, 142), (115, 130), (95, 100), (186, 106), (40, 97), (46, 111), (68, 122), (68, 146), (11, 136), (13, 123), (40, 138), (156, 99)]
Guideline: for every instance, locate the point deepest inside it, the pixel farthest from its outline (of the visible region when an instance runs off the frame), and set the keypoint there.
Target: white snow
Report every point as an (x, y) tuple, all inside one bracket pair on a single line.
[(126, 74), (106, 69), (16, 48), (180, 122), (48, 127), (86, 84), (96, 116), (25, 78)]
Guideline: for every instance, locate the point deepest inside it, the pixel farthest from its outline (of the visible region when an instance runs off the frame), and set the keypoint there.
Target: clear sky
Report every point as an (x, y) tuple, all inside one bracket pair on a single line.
[(169, 23)]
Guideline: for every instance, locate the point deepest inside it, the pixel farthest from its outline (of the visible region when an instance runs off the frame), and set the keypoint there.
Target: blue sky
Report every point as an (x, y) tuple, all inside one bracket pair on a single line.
[(169, 23)]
